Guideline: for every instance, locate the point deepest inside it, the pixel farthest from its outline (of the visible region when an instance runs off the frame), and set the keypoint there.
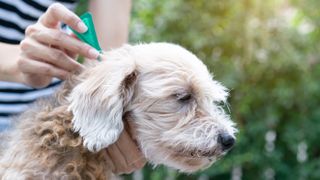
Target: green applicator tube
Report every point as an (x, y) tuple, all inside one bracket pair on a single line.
[(90, 36)]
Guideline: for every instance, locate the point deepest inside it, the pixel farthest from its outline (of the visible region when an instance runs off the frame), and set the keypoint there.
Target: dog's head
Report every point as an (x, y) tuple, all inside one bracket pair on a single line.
[(172, 100)]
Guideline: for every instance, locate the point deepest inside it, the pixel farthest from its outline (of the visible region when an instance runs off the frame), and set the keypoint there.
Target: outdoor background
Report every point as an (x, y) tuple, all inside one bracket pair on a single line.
[(267, 52)]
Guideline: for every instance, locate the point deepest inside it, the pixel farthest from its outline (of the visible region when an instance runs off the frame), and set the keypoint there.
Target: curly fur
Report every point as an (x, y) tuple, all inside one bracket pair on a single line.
[(163, 90), (44, 146)]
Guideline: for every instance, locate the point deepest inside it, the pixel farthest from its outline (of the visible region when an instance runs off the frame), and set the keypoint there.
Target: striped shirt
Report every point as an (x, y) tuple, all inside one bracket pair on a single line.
[(15, 16)]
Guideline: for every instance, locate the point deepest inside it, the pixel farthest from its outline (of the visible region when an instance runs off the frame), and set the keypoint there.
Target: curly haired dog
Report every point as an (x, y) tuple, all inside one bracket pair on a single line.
[(165, 91)]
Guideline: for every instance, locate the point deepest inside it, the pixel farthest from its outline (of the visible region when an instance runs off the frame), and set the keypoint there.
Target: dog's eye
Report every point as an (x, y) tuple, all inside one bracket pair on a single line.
[(184, 97)]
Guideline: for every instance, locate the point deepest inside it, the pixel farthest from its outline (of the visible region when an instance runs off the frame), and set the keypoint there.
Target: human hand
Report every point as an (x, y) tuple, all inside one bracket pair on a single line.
[(47, 52), (124, 156)]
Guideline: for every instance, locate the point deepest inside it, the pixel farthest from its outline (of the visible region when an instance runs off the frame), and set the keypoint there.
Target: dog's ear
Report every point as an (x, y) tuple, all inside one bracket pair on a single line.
[(98, 101)]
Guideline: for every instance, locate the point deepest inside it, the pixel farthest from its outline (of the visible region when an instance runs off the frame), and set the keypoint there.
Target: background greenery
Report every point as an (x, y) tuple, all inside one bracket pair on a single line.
[(267, 53)]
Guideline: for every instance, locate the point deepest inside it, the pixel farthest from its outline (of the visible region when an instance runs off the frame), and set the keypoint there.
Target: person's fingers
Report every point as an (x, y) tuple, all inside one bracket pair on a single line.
[(37, 51), (117, 158), (64, 41), (130, 127), (110, 162), (124, 154), (71, 54), (30, 66), (58, 13), (32, 29), (130, 151)]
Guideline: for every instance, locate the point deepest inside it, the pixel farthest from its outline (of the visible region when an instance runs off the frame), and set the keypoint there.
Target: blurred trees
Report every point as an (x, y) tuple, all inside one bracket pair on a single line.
[(267, 53)]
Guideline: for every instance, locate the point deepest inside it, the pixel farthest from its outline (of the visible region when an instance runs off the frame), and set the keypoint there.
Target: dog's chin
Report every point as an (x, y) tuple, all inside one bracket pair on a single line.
[(190, 164), (185, 161)]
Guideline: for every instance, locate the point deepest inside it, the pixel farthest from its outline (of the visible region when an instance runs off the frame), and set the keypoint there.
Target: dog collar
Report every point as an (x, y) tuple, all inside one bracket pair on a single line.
[(90, 36)]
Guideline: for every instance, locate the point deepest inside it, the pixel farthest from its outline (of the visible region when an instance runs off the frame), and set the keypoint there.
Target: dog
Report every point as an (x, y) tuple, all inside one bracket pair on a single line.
[(165, 91)]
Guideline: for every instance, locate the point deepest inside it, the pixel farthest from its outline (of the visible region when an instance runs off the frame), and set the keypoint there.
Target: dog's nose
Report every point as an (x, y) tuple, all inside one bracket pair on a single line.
[(226, 140)]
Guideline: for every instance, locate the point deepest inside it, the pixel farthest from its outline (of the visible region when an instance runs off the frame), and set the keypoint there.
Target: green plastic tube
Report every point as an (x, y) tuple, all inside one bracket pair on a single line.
[(90, 36)]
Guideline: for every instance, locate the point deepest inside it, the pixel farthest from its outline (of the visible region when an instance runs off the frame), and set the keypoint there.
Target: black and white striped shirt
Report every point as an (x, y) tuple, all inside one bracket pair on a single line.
[(15, 16)]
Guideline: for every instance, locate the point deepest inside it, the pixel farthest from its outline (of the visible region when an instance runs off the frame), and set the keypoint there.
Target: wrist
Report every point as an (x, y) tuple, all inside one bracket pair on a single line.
[(9, 57)]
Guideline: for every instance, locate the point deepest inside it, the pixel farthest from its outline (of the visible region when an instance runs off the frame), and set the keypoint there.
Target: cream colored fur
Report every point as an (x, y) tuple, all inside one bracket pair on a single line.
[(165, 91)]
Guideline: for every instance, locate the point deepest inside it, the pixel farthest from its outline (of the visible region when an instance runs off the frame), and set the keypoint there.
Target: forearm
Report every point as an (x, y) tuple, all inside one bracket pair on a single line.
[(111, 19), (9, 55)]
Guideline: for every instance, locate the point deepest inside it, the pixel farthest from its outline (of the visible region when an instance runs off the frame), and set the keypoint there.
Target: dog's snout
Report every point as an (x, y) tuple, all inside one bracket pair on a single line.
[(226, 141)]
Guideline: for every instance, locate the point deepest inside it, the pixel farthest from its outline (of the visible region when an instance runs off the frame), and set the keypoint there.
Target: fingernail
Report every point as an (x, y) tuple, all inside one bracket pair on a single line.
[(82, 27), (93, 53)]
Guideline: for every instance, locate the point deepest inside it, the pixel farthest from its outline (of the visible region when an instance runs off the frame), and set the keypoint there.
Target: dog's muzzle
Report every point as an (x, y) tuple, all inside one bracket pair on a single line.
[(226, 141)]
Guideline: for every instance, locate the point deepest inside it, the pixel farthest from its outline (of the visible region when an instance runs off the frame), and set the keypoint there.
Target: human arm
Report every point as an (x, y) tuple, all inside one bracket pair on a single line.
[(111, 19), (9, 55)]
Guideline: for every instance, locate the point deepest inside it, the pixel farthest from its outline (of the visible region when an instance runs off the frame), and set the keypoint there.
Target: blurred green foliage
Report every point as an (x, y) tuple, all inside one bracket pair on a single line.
[(267, 53)]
